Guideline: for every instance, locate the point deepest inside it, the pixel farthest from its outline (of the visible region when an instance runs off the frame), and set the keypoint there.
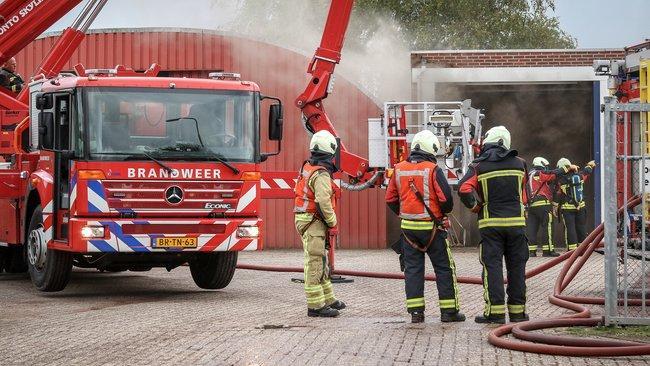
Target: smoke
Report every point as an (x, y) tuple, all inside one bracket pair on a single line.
[(375, 57)]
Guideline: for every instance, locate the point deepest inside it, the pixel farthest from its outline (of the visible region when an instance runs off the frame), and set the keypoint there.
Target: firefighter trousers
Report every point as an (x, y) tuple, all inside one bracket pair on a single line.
[(318, 287), (575, 227), (443, 266), (509, 243), (539, 224)]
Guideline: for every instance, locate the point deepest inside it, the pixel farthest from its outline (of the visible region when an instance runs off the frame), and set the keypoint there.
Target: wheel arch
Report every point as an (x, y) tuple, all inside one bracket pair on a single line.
[(39, 192)]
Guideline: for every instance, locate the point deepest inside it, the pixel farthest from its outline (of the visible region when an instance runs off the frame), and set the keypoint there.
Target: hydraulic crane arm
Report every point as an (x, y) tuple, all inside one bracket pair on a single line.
[(24, 20), (321, 69)]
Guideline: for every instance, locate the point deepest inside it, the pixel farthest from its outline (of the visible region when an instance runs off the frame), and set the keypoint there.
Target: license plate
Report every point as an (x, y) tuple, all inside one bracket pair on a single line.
[(175, 242)]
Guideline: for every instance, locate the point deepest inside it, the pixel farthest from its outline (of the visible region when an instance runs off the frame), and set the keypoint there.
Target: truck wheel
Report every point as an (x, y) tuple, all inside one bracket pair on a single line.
[(2, 259), (213, 270), (14, 259), (49, 269)]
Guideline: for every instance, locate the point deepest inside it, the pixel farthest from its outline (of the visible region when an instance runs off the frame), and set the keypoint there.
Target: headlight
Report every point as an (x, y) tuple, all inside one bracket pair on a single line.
[(90, 232), (248, 232)]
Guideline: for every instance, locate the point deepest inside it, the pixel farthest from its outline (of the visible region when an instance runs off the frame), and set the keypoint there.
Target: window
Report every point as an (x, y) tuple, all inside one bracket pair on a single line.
[(172, 124)]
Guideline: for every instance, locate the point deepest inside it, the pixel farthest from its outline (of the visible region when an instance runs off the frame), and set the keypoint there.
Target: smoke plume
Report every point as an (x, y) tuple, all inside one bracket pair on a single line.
[(377, 59)]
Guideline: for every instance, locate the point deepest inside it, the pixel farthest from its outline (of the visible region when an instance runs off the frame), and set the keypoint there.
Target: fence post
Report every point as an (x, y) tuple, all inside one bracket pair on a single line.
[(609, 202)]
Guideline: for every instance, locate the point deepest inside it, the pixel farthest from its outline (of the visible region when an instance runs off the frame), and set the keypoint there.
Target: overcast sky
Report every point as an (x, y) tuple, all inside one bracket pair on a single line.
[(605, 23), (595, 23)]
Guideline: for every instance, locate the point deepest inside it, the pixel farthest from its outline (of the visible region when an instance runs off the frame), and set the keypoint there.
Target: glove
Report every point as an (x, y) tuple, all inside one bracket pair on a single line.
[(332, 231), (591, 164), (476, 209)]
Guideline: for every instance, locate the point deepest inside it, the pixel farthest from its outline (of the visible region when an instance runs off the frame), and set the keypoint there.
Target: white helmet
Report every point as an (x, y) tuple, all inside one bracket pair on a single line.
[(563, 163), (425, 141), (323, 141), (540, 161), (498, 134)]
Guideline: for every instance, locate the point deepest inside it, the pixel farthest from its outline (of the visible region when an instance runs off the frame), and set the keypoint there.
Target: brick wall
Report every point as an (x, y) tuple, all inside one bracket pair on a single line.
[(514, 58)]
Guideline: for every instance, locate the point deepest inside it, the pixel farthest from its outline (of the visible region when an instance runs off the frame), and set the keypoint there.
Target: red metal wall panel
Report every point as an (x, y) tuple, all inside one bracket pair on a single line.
[(279, 72)]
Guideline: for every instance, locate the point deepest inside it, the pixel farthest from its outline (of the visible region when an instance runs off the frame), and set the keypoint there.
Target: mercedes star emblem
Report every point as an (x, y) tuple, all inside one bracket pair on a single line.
[(174, 195)]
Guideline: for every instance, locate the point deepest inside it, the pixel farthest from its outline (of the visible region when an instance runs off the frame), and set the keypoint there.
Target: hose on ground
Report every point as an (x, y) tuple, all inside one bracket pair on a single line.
[(528, 340)]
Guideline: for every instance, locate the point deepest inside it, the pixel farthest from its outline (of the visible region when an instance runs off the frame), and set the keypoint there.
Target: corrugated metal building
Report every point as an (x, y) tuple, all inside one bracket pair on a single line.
[(279, 72)]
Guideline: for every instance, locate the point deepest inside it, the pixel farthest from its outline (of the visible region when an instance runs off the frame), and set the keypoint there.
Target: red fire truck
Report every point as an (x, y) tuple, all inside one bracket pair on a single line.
[(118, 170)]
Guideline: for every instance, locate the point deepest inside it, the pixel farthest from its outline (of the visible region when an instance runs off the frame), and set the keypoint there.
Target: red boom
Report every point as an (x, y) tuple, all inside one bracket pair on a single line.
[(321, 69)]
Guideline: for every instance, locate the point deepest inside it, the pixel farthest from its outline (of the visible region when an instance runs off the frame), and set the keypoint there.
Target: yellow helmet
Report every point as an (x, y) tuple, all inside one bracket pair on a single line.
[(425, 141), (323, 141), (498, 134), (563, 163)]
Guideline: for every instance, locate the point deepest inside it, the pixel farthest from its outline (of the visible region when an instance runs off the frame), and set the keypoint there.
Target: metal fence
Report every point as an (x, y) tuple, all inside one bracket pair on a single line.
[(626, 168)]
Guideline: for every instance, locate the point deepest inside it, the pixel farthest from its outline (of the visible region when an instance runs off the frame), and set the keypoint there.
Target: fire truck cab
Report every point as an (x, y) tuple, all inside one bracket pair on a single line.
[(117, 171)]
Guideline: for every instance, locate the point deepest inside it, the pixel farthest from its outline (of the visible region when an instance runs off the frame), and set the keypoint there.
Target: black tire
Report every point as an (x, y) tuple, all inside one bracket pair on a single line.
[(53, 273), (214, 270), (2, 258), (14, 259)]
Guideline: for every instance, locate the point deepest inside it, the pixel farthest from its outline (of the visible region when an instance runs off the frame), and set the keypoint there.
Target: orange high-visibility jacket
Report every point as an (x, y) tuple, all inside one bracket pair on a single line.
[(432, 184), (305, 201)]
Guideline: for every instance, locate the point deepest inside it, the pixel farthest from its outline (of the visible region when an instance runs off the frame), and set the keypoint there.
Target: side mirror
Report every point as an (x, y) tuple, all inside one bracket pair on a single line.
[(46, 130), (44, 101), (275, 122)]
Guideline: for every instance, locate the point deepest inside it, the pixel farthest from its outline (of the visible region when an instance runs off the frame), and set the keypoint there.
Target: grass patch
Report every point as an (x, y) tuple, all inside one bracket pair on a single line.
[(634, 333)]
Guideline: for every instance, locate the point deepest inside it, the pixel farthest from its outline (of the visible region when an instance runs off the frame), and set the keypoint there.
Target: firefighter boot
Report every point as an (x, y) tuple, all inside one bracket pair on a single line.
[(324, 312), (520, 317), (338, 305), (493, 319), (417, 317), (550, 253), (456, 316)]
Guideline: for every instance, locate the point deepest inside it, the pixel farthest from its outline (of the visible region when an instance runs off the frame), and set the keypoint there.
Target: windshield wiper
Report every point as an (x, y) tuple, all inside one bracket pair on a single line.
[(223, 161), (196, 124), (198, 134), (195, 148), (165, 166)]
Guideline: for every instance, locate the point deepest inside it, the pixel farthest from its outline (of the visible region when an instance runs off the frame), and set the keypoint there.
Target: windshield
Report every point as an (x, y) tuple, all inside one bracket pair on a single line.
[(172, 124)]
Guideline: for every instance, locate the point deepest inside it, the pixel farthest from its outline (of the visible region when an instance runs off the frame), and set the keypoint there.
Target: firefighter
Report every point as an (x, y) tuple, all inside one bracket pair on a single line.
[(9, 79), (418, 191), (315, 218), (495, 188), (572, 203), (541, 181)]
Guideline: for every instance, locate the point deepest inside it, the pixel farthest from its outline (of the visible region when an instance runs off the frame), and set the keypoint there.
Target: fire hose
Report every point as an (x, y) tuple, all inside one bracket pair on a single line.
[(530, 341), (566, 345)]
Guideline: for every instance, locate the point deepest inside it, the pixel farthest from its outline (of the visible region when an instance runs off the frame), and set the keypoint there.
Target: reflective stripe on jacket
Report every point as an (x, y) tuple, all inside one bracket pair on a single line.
[(430, 181), (306, 197), (564, 186), (502, 187), (541, 182)]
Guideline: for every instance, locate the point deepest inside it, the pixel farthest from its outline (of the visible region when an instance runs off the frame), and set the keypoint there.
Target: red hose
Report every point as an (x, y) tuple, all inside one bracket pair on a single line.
[(537, 342), (564, 345)]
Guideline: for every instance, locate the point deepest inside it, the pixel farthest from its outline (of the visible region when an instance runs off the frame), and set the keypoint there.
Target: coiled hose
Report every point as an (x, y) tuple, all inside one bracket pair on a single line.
[(566, 345), (537, 342)]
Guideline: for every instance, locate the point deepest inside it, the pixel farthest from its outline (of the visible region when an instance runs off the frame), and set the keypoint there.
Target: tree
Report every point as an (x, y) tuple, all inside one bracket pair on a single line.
[(472, 24), (422, 24)]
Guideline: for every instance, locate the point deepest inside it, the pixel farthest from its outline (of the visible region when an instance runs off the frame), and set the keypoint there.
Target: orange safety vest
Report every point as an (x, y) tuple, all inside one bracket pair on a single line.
[(305, 197), (422, 175)]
